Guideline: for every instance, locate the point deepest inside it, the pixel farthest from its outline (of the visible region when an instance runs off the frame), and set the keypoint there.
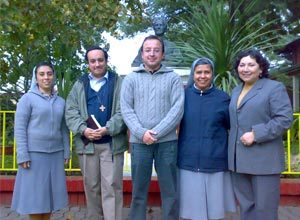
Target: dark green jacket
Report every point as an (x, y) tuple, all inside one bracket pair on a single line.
[(76, 114)]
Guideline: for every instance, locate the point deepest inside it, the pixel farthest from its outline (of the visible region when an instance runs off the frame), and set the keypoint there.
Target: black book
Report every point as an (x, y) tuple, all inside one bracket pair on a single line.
[(92, 123)]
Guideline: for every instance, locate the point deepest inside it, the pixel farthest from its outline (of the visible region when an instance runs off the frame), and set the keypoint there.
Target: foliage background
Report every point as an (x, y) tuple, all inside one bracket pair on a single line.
[(52, 30), (221, 29)]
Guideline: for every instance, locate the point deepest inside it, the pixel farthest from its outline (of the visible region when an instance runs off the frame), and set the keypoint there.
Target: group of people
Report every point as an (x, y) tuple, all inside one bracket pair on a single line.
[(209, 150)]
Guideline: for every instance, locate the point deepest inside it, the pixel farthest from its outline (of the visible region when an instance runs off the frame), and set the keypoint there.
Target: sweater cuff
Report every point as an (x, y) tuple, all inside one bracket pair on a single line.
[(23, 158), (140, 133)]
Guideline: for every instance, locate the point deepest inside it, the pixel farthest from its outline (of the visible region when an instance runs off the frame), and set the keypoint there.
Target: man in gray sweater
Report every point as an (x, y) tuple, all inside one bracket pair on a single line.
[(152, 99)]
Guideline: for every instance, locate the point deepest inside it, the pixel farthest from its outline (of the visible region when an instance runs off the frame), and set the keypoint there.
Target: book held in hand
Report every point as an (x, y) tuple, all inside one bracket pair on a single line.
[(95, 121), (93, 124)]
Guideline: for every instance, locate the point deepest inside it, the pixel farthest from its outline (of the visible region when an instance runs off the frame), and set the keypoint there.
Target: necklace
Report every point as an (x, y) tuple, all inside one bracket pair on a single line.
[(100, 98), (99, 94)]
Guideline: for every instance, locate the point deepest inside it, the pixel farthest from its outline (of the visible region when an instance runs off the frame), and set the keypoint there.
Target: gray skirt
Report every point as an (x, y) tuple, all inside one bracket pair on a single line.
[(205, 196), (42, 187)]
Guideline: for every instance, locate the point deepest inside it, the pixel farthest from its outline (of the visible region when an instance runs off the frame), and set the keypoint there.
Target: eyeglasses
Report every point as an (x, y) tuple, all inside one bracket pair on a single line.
[(155, 50)]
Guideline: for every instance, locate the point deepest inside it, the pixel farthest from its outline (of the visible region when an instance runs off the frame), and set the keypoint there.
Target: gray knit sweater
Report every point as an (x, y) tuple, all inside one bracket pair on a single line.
[(152, 102)]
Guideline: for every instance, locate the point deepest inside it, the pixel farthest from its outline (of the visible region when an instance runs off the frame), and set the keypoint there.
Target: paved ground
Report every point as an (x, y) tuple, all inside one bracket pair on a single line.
[(153, 213)]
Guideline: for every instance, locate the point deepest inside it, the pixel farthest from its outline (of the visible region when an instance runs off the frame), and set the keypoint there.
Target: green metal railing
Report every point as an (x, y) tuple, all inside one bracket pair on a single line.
[(8, 147)]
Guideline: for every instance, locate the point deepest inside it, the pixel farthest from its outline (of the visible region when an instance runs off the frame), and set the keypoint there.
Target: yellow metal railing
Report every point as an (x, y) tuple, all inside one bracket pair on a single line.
[(8, 147), (293, 147)]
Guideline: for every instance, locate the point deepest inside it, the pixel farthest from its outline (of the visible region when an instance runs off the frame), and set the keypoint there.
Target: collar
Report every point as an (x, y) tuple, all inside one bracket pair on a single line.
[(96, 83), (162, 69), (154, 71), (91, 77), (201, 92), (211, 85)]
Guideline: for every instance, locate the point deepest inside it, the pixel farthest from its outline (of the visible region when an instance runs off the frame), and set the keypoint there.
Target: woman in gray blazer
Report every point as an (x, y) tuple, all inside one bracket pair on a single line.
[(260, 113)]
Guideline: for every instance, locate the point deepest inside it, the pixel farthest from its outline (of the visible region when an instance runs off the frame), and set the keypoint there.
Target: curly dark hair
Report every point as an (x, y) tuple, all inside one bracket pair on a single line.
[(255, 54)]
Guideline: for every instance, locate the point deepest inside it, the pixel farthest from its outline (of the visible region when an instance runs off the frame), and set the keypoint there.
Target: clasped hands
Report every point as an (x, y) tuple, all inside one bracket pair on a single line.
[(149, 137), (95, 134)]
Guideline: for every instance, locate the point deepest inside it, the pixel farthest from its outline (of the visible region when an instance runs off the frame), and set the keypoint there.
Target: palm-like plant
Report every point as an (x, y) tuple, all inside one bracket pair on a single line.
[(65, 83), (219, 32)]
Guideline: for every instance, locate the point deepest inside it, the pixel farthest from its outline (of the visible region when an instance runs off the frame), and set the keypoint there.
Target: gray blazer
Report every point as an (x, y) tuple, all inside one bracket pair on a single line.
[(266, 109)]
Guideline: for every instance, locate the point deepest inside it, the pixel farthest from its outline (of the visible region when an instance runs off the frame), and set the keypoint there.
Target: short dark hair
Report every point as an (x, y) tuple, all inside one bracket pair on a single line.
[(154, 37), (43, 63), (259, 58), (95, 48)]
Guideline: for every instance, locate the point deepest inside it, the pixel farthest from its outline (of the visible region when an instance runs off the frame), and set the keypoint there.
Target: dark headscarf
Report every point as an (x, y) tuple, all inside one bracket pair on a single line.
[(199, 61)]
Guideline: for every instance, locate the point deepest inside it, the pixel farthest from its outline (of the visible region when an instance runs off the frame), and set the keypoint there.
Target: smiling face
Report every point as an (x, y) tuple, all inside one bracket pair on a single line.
[(44, 79), (203, 76), (152, 54), (97, 63), (249, 70)]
